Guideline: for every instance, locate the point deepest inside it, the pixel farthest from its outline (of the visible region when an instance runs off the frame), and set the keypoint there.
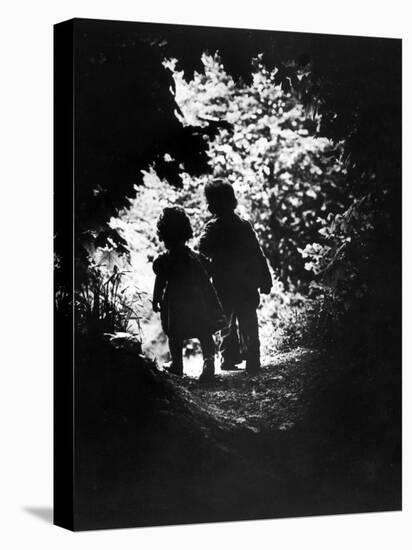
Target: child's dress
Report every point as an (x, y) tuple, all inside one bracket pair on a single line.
[(190, 307)]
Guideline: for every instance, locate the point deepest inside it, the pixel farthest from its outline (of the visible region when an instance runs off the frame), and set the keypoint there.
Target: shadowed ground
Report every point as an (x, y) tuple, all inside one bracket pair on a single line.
[(272, 400), (302, 438)]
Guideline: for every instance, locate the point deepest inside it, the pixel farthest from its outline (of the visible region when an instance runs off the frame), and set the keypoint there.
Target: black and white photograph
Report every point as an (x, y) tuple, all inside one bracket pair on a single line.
[(235, 290), (206, 255)]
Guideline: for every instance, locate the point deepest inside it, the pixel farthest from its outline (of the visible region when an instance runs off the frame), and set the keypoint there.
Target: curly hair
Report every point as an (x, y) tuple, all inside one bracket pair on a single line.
[(174, 226), (220, 196)]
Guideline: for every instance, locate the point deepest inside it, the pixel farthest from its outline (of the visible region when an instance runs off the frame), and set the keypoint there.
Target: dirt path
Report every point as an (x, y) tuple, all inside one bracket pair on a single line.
[(273, 400)]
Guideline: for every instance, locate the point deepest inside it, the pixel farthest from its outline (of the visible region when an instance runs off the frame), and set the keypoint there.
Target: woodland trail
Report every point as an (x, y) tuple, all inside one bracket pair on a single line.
[(294, 440), (276, 399)]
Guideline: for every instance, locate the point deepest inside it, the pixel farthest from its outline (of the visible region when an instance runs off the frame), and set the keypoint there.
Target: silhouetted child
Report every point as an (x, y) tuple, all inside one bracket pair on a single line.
[(239, 271), (183, 293)]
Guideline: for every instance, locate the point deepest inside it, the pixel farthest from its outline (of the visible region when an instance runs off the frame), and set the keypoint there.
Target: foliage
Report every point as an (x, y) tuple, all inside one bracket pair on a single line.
[(343, 90), (125, 106), (286, 177), (104, 305), (357, 257)]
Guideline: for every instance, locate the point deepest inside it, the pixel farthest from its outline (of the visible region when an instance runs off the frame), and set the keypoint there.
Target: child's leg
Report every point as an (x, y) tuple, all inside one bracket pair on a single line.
[(229, 344), (230, 347), (207, 344), (176, 351), (249, 333)]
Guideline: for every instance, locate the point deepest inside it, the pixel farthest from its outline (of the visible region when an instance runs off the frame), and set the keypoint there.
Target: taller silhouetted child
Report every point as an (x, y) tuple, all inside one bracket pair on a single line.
[(239, 271)]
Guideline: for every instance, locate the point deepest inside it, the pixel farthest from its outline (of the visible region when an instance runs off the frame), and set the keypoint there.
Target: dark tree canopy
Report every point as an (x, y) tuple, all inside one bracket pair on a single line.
[(125, 108)]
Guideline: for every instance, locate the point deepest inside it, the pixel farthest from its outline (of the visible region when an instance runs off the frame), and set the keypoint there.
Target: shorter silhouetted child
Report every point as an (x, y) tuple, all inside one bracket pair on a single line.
[(187, 301), (239, 271)]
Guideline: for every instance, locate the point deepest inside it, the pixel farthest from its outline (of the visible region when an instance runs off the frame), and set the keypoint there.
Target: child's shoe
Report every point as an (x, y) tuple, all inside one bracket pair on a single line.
[(228, 365)]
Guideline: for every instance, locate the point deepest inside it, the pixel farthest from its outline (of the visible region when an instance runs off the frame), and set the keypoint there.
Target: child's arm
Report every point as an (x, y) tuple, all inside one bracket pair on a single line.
[(158, 290), (264, 275), (206, 244)]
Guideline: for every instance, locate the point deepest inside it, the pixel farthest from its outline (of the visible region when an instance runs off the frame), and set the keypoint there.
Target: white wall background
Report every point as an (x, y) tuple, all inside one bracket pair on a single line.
[(26, 270)]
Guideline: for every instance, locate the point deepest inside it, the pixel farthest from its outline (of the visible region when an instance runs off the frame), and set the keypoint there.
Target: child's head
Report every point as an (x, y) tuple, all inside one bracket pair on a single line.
[(173, 226), (220, 197)]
